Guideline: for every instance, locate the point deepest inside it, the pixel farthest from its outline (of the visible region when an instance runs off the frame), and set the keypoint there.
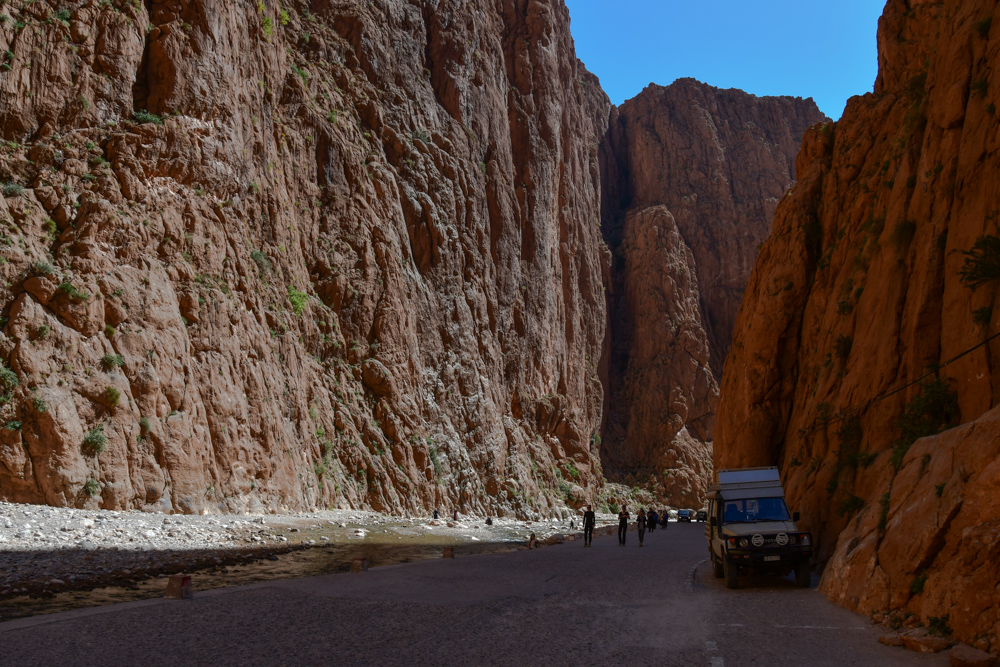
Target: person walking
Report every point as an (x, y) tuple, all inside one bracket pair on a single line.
[(640, 523), (588, 526), (623, 518), (664, 518), (651, 519)]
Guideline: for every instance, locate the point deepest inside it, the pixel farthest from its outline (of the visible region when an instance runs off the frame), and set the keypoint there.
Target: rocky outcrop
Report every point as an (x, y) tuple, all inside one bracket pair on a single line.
[(263, 256), (692, 177), (867, 322)]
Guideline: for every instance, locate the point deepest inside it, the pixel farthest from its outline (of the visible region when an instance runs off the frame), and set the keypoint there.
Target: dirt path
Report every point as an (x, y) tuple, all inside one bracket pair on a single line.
[(559, 605)]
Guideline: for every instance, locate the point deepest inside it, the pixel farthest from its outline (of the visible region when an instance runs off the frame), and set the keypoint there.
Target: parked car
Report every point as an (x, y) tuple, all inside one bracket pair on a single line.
[(751, 530), (701, 515), (684, 515)]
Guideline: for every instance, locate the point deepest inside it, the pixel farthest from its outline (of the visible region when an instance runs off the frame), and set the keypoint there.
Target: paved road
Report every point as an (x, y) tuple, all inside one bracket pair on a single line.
[(560, 605)]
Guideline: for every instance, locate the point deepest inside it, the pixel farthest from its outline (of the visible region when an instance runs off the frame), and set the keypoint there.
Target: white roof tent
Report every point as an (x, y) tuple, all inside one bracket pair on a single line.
[(750, 483)]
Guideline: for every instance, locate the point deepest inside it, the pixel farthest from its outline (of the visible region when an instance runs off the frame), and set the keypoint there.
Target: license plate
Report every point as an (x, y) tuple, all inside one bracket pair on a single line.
[(772, 557)]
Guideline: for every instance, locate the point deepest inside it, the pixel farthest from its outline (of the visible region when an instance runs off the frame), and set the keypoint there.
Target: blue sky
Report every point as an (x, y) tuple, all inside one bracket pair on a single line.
[(824, 50)]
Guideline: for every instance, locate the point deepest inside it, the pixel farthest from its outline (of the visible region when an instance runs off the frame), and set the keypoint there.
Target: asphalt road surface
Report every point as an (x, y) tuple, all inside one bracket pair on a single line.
[(559, 605)]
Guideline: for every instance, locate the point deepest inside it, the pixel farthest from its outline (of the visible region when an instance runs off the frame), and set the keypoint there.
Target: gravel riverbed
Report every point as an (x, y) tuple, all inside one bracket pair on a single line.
[(52, 551)]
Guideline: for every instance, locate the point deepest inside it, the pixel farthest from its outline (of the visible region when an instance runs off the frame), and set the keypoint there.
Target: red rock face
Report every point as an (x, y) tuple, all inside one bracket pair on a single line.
[(694, 174), (350, 257), (858, 292)]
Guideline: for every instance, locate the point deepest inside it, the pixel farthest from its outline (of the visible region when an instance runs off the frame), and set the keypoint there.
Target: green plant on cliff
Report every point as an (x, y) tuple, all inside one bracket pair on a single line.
[(112, 396), (8, 378), (91, 487), (934, 409), (299, 300), (12, 189), (42, 268), (850, 506), (143, 116), (983, 27), (982, 262), (883, 512), (917, 585), (842, 346), (981, 317), (261, 260), (938, 625), (95, 440), (432, 451), (73, 293), (112, 361)]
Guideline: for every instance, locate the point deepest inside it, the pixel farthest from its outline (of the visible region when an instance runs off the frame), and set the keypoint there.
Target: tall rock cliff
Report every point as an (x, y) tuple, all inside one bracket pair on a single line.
[(277, 256), (867, 324), (693, 175)]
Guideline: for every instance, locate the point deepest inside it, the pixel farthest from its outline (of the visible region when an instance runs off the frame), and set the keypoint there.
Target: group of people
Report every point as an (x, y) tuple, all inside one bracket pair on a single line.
[(645, 520)]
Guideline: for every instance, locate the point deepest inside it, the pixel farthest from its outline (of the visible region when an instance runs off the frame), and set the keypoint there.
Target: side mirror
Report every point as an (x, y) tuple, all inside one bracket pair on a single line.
[(795, 516), (714, 521)]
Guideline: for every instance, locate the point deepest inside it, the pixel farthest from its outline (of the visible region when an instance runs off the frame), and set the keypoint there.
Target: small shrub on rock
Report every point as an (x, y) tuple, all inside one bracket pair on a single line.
[(42, 268), (91, 487), (299, 300), (111, 360), (261, 260), (112, 396), (147, 117), (73, 293), (842, 346), (933, 410), (62, 15), (95, 440), (982, 263), (8, 378), (12, 189)]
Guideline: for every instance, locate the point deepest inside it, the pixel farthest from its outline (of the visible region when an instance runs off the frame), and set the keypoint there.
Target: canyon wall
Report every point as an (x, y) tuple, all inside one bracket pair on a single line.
[(262, 256), (867, 329), (692, 178)]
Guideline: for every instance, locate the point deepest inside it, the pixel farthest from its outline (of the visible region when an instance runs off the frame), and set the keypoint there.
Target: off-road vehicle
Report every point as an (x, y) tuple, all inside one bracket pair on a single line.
[(749, 527)]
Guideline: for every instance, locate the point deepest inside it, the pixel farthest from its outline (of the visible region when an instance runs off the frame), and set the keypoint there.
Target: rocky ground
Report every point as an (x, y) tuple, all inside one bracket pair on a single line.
[(45, 551), (658, 605)]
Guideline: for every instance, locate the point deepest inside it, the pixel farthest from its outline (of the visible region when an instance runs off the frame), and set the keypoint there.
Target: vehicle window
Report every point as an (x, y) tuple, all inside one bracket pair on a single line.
[(751, 510)]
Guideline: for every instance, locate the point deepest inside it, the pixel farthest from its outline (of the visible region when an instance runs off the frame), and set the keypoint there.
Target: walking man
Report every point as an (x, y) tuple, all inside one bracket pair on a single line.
[(640, 523), (651, 519), (588, 526), (623, 518)]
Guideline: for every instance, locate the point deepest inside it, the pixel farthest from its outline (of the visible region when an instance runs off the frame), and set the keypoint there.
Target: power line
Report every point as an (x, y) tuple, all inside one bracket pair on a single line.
[(893, 390)]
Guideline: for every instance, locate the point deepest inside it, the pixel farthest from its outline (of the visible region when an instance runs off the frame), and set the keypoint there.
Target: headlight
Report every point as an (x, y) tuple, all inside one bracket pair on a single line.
[(793, 540), (744, 542)]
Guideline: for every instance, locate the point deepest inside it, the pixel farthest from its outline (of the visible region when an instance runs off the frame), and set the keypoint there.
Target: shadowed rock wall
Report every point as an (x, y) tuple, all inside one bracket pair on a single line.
[(858, 292)]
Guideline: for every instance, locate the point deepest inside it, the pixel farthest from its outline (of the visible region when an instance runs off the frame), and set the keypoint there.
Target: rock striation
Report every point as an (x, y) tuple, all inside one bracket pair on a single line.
[(271, 257), (867, 329), (692, 178)]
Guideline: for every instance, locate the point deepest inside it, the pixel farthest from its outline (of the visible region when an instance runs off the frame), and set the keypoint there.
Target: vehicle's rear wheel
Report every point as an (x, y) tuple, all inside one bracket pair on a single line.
[(717, 568), (803, 577), (732, 572)]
